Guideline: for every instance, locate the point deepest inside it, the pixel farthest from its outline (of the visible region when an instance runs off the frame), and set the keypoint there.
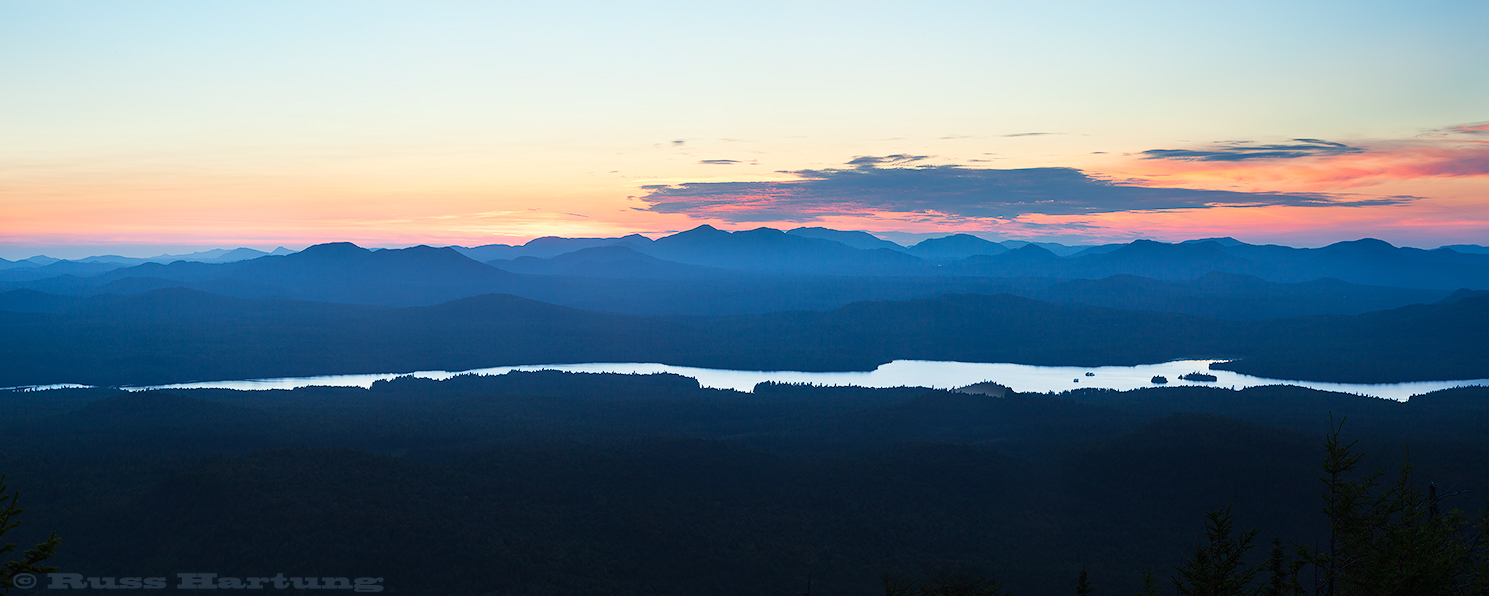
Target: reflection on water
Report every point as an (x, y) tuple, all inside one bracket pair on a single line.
[(919, 373)]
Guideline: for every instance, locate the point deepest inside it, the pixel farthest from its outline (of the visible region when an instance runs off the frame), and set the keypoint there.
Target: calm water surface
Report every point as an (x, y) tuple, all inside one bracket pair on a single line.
[(918, 373)]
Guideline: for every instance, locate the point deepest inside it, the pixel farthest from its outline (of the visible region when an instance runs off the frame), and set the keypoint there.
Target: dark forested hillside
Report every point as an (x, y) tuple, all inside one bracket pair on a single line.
[(555, 483), (177, 335)]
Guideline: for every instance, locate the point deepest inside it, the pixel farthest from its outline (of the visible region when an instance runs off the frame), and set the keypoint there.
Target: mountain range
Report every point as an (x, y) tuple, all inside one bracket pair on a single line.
[(824, 252), (803, 299), (707, 271)]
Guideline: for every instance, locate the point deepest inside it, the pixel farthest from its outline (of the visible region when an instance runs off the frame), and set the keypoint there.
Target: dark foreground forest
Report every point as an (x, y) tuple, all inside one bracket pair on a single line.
[(555, 483)]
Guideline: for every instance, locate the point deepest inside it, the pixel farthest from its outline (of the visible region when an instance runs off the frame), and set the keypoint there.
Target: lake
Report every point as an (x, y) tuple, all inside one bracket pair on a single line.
[(1023, 378)]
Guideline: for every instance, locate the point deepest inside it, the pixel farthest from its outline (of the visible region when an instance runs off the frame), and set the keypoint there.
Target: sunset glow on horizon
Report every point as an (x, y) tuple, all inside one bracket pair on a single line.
[(162, 126)]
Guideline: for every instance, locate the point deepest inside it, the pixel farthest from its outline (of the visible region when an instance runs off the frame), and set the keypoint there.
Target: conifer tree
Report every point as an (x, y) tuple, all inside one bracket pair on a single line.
[(30, 561), (1217, 568), (1282, 573), (1149, 585), (1395, 541), (1083, 583)]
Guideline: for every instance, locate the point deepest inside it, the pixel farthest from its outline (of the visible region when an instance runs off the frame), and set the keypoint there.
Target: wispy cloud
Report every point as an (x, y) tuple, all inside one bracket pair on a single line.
[(719, 162), (1245, 151), (893, 184), (1479, 128), (898, 159), (1318, 165)]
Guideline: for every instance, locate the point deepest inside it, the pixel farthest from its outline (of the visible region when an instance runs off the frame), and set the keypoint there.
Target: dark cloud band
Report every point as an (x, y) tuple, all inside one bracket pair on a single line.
[(948, 191)]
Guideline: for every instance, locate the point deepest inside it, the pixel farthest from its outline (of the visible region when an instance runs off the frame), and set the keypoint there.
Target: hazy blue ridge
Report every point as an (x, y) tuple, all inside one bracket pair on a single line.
[(855, 239), (955, 247), (178, 335)]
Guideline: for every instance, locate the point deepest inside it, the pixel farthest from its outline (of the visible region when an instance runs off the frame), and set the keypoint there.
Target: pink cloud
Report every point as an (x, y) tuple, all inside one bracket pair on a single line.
[(1481, 128), (1311, 165)]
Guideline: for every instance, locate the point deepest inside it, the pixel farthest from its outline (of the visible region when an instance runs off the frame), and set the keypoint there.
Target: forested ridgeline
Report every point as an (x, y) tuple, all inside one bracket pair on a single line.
[(557, 483), (177, 335)]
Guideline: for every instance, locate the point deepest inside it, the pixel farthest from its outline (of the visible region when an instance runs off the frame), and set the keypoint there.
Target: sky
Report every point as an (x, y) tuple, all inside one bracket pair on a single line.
[(148, 127)]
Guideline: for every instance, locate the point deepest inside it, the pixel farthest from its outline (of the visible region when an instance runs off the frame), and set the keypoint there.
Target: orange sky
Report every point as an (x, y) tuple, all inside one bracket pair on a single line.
[(453, 198), (177, 125)]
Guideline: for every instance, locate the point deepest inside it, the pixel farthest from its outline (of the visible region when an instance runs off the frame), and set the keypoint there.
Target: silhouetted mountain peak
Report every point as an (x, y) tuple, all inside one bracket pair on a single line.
[(1154, 248), (1023, 256), (1225, 241), (706, 237), (1032, 251), (703, 230), (425, 253), (239, 254), (953, 240), (421, 261), (1143, 245), (955, 246), (1463, 294), (856, 239), (1361, 246), (331, 250), (773, 250), (762, 232)]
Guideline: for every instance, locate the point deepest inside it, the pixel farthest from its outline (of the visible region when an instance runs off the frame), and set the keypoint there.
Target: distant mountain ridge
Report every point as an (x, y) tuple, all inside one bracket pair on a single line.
[(855, 239), (955, 247), (340, 272), (608, 261), (216, 255), (768, 249), (709, 271), (545, 247), (1367, 261)]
